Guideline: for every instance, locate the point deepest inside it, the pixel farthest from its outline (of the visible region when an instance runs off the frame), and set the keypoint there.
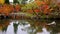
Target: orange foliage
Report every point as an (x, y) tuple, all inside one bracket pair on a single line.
[(6, 23), (30, 11), (1, 9), (11, 8), (37, 10), (6, 9), (45, 9), (17, 7), (39, 2)]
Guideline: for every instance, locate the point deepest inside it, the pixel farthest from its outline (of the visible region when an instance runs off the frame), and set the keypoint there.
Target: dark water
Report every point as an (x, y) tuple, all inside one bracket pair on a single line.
[(29, 27)]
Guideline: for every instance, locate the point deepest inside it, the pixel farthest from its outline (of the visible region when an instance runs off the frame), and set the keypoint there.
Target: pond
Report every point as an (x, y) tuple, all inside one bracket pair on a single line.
[(9, 26)]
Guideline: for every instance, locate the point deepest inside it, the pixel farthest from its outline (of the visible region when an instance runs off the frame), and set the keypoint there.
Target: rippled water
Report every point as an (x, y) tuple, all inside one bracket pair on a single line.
[(29, 27)]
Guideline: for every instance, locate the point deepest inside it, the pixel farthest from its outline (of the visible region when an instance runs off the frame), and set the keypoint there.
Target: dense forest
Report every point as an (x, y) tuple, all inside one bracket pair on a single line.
[(35, 8)]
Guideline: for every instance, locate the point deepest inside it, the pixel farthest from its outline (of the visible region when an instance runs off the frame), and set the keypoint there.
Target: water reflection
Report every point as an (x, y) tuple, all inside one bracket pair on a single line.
[(8, 26), (44, 31), (10, 29)]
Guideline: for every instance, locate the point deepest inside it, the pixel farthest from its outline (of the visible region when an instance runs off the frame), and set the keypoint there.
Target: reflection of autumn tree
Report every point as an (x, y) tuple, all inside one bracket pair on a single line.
[(37, 25), (4, 24), (15, 27), (56, 29)]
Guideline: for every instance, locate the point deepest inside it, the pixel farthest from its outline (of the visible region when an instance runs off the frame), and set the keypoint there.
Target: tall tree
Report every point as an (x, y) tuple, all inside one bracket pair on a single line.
[(15, 1), (7, 1)]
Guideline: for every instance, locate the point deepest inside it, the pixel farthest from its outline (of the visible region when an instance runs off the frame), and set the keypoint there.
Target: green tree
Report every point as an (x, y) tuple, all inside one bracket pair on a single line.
[(15, 1), (7, 1)]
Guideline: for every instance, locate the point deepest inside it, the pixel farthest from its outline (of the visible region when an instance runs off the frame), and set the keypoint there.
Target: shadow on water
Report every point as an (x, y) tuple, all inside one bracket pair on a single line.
[(8, 26)]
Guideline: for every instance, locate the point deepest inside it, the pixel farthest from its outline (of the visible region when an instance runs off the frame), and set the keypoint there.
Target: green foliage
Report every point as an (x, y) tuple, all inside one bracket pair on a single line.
[(29, 6)]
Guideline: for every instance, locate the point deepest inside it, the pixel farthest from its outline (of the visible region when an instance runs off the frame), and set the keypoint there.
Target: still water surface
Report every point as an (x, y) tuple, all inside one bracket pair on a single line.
[(29, 27)]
